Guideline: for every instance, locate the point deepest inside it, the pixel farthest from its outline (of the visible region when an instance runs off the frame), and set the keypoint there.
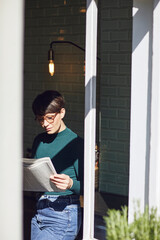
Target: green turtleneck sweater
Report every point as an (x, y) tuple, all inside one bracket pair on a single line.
[(66, 152)]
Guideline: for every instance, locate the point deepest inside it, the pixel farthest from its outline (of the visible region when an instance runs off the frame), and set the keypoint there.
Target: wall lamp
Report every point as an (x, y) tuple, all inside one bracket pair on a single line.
[(51, 54)]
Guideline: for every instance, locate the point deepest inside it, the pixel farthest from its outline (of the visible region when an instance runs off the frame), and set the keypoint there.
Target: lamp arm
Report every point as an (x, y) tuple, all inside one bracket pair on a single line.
[(67, 42), (74, 44)]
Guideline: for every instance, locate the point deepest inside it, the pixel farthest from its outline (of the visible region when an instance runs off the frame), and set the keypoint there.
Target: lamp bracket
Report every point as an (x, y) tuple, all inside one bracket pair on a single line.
[(69, 42)]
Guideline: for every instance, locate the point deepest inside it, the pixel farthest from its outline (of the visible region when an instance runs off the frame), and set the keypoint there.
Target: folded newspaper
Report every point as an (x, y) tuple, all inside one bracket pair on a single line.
[(36, 175)]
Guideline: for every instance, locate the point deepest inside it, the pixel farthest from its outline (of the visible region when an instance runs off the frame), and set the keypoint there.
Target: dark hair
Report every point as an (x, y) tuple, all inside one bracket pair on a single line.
[(49, 101)]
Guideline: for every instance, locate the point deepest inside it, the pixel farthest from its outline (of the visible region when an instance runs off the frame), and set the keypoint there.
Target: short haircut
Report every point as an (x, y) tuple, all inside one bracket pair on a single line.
[(49, 101)]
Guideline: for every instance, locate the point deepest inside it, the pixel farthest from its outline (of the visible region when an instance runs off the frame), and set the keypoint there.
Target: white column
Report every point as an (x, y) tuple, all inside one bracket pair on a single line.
[(140, 104), (154, 183), (90, 119), (11, 66)]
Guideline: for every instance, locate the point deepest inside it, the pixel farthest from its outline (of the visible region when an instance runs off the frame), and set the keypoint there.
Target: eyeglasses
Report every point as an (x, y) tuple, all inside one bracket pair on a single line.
[(49, 118)]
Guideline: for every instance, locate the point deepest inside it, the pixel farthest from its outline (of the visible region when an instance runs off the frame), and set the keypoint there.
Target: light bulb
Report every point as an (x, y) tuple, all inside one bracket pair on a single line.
[(51, 67)]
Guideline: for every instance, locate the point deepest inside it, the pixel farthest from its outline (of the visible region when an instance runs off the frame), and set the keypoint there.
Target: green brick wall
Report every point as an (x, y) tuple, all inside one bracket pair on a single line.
[(115, 49)]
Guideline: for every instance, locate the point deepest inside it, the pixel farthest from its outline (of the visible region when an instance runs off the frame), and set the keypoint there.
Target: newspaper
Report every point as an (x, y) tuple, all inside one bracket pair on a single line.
[(36, 175)]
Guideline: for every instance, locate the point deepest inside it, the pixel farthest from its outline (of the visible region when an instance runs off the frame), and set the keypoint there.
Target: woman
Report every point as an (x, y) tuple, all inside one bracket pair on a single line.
[(58, 213)]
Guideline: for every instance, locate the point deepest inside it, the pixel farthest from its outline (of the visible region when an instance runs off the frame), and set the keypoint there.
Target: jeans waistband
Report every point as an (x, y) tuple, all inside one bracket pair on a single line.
[(55, 201), (69, 198)]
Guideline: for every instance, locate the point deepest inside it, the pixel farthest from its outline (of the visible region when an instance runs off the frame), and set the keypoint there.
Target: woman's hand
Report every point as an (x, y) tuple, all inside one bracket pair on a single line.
[(62, 181)]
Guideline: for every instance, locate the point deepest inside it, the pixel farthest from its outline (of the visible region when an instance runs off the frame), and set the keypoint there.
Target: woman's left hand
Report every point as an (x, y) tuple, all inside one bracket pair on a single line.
[(62, 181)]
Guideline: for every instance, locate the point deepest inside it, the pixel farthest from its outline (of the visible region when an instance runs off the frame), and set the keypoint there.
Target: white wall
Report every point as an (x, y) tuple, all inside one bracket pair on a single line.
[(154, 177), (140, 103), (145, 107), (11, 66)]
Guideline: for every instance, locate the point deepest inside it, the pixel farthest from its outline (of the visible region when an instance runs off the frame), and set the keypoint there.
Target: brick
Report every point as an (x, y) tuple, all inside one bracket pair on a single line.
[(109, 25), (119, 58), (109, 91), (110, 47), (125, 24), (70, 20), (118, 124), (109, 156), (125, 46), (102, 186), (110, 113), (117, 167), (30, 59), (52, 11), (109, 134), (122, 179), (104, 165), (57, 3), (106, 14), (119, 35), (124, 92), (30, 4), (105, 123), (119, 189), (127, 145), (72, 58), (104, 145), (44, 4), (116, 146), (32, 21), (105, 81), (78, 29), (57, 21), (105, 58), (38, 13), (61, 49), (73, 2), (124, 113), (64, 11), (118, 80), (78, 10), (105, 102), (125, 69), (124, 136), (44, 21), (123, 157), (107, 177), (83, 20), (130, 35), (126, 3), (106, 36), (28, 14), (120, 13), (118, 102), (110, 3), (79, 69), (108, 68)]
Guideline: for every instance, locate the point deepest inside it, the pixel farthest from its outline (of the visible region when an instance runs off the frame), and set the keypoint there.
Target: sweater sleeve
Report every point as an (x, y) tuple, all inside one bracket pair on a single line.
[(77, 186)]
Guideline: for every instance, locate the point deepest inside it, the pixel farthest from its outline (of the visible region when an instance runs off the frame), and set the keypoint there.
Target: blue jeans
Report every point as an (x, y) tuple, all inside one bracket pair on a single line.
[(57, 218)]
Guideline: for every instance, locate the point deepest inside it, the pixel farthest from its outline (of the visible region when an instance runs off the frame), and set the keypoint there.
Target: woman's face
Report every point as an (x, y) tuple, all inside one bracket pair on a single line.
[(52, 122)]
